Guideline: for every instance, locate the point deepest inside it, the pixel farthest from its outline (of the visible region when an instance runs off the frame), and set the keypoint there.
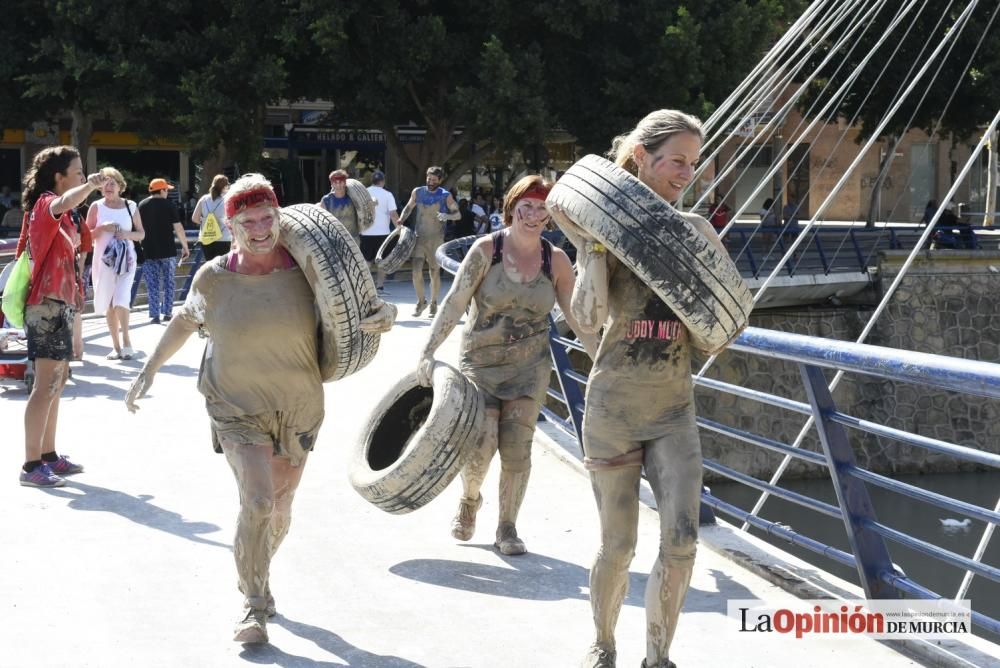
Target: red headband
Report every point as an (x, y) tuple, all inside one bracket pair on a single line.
[(535, 192), (250, 198)]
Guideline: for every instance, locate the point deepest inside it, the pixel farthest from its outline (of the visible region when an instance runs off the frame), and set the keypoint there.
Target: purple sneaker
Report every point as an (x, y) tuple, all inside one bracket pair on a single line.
[(41, 477), (63, 466)]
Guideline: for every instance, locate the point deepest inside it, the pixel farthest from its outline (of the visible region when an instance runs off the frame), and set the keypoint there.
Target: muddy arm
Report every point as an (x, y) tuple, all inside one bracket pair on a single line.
[(589, 304), (409, 207), (177, 332), (463, 288), (562, 271)]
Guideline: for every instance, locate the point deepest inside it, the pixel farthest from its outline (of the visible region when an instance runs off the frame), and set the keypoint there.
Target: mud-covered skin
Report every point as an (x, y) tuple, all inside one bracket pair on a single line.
[(505, 351), (434, 208), (265, 420), (267, 487), (673, 468), (639, 395)]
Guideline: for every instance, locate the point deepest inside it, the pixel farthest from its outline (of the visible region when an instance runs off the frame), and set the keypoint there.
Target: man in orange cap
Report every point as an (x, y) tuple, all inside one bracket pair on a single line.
[(161, 221)]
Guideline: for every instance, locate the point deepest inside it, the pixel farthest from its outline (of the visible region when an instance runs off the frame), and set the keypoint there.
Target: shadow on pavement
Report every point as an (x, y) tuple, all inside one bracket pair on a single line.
[(715, 601), (325, 640), (532, 576), (138, 509)]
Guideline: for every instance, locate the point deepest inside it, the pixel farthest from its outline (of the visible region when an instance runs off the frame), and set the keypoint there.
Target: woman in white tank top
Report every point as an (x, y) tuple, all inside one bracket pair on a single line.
[(114, 218)]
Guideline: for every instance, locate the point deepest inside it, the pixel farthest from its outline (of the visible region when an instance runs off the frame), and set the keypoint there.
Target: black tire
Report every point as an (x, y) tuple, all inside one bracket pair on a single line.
[(661, 246), (396, 249), (417, 440), (364, 205), (451, 253), (339, 276)]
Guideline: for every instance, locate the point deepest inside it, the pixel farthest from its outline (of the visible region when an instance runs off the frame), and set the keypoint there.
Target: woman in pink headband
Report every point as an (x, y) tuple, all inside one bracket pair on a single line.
[(512, 278), (261, 379)]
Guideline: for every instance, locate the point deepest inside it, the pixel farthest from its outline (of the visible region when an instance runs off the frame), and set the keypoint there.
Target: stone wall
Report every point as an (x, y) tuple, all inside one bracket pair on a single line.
[(948, 304)]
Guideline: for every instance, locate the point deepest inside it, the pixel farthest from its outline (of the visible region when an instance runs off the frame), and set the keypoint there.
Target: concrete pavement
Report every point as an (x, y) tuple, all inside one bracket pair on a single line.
[(131, 564)]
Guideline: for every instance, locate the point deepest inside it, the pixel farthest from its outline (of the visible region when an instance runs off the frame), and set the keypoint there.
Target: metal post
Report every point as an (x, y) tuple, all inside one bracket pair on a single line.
[(857, 251), (196, 259), (570, 389), (870, 553)]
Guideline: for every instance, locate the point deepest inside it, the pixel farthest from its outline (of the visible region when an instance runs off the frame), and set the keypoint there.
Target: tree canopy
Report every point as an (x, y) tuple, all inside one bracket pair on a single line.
[(495, 76)]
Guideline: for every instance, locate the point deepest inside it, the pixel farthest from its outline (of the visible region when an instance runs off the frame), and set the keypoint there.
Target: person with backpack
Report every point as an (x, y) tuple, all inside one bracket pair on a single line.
[(210, 216), (53, 186), (512, 278)]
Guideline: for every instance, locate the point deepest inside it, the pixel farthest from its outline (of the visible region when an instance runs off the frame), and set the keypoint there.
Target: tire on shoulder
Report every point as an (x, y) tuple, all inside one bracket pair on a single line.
[(341, 282), (364, 205), (666, 251), (416, 440)]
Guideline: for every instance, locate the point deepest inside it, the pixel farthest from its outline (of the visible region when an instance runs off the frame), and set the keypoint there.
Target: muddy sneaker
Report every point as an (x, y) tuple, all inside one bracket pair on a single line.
[(42, 476), (507, 541), (253, 628), (464, 524), (63, 466), (421, 305), (433, 311), (599, 656), (270, 610)]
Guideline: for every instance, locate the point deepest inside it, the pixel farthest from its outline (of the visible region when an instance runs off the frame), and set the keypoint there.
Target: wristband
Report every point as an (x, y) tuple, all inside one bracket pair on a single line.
[(594, 247)]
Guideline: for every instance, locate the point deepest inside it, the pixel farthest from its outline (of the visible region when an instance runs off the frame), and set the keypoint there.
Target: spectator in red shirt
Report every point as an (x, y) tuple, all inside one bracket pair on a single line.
[(719, 216), (53, 186)]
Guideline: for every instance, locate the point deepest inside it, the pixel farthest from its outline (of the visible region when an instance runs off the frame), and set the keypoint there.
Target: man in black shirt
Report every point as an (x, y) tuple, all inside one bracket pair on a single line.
[(159, 218)]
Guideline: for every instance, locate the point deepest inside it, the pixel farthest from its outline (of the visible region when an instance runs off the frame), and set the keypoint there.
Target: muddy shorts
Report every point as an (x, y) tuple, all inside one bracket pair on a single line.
[(291, 433), (370, 243), (425, 248), (49, 329)]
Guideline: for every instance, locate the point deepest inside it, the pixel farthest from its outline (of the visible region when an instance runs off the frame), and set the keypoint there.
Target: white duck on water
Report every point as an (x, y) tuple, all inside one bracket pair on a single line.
[(950, 523)]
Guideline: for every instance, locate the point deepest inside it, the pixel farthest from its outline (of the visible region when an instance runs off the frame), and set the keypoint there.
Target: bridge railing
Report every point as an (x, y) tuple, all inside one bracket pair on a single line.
[(757, 250), (867, 536)]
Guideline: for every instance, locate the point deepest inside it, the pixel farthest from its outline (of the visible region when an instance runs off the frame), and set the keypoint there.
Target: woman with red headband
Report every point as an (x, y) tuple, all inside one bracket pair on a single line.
[(512, 278), (261, 379)]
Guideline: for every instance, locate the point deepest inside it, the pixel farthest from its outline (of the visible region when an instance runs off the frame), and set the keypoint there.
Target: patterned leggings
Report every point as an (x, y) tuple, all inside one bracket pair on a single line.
[(159, 276)]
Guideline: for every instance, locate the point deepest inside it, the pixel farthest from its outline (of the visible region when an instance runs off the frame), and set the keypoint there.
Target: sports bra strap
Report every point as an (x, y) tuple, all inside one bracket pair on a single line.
[(497, 238)]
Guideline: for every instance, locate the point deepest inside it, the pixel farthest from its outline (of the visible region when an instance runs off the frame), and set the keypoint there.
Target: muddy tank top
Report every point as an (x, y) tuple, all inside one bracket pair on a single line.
[(429, 205), (642, 374), (268, 327), (505, 343), (343, 209)]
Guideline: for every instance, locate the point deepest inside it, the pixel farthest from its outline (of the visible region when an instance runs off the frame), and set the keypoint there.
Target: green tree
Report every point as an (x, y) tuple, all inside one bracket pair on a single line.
[(506, 73)]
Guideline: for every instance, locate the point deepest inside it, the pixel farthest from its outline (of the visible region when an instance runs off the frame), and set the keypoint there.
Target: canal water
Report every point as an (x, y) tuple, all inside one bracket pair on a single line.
[(902, 513)]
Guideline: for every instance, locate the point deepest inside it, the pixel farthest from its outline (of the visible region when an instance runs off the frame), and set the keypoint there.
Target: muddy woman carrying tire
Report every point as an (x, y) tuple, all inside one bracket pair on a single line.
[(281, 318), (657, 282), (512, 278)]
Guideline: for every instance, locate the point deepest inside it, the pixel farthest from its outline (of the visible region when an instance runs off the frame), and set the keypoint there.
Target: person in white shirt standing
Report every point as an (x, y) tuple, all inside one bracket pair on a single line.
[(374, 236)]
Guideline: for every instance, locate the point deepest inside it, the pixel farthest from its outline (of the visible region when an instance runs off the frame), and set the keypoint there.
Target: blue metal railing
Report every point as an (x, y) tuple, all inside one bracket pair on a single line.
[(866, 535)]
